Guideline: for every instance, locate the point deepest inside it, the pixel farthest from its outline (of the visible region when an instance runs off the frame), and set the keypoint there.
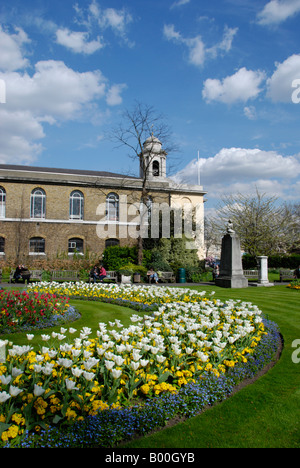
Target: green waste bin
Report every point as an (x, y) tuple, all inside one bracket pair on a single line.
[(181, 275)]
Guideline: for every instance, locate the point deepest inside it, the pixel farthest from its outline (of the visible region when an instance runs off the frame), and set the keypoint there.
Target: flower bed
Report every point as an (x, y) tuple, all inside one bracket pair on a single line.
[(166, 354), (132, 294), (27, 309), (294, 284)]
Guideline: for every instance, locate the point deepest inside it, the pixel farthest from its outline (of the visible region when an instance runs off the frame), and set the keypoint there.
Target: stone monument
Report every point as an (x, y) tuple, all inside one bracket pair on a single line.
[(231, 270)]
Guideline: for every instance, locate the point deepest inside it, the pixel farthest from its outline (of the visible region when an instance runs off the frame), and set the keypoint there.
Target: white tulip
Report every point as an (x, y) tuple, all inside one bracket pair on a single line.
[(65, 347), (30, 337), (88, 375), (15, 391), (48, 368), (119, 360), (160, 358), (70, 385), (5, 380), (116, 373), (45, 337), (38, 391), (91, 362), (76, 371), (4, 396), (65, 362), (16, 372), (109, 365), (144, 362), (60, 336), (134, 365)]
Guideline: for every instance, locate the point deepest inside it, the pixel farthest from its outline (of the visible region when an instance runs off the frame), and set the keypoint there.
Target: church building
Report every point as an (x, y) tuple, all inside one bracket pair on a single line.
[(48, 211)]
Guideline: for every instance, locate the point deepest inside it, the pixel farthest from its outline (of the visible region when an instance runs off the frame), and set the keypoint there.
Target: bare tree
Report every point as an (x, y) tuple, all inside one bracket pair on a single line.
[(136, 127), (264, 226)]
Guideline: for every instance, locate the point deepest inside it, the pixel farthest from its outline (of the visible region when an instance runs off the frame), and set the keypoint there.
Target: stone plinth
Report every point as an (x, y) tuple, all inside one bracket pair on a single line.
[(263, 279), (231, 270)]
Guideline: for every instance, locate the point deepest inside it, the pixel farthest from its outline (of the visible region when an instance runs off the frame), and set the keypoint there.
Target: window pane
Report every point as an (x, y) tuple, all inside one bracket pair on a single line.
[(75, 245), (112, 207), (76, 205), (2, 244), (38, 204), (37, 245), (2, 202)]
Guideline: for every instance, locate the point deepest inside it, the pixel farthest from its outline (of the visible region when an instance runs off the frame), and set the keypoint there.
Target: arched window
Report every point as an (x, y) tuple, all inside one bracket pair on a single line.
[(76, 205), (112, 242), (155, 168), (38, 204), (75, 245), (112, 207), (2, 202), (2, 245), (37, 245)]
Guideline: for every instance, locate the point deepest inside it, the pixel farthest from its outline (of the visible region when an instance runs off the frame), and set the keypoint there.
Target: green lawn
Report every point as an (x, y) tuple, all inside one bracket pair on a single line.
[(265, 414)]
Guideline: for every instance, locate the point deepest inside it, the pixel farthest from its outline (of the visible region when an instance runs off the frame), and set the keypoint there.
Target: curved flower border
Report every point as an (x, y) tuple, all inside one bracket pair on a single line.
[(182, 351)]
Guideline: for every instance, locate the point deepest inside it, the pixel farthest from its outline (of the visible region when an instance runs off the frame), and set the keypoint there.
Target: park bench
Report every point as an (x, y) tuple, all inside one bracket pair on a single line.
[(286, 275), (34, 276), (111, 276), (251, 274), (64, 275), (167, 277)]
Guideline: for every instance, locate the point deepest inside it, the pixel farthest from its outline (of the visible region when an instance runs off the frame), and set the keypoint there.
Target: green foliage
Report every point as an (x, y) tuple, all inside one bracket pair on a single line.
[(116, 257), (274, 261)]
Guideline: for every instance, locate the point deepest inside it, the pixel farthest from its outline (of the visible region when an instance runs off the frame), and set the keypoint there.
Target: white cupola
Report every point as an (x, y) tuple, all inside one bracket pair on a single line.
[(153, 160)]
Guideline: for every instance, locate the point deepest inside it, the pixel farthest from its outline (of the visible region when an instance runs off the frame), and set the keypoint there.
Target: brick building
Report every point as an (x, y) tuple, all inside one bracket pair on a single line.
[(46, 211)]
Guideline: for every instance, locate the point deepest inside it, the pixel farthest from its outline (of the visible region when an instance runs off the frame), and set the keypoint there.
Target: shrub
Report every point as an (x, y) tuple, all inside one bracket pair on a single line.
[(116, 257)]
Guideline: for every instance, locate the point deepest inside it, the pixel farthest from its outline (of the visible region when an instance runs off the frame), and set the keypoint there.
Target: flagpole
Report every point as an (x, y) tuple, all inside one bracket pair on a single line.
[(198, 169)]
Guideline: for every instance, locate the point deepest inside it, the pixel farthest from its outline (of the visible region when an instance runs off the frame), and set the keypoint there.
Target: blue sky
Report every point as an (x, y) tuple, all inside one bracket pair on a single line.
[(222, 72)]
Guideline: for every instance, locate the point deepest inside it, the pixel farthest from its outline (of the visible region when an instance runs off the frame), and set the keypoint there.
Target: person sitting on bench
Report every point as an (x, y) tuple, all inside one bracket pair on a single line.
[(152, 275)]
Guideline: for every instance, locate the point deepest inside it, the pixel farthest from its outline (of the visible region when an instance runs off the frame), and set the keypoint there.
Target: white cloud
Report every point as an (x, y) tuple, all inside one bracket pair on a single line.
[(78, 42), (250, 112), (179, 3), (226, 44), (107, 18), (11, 57), (19, 132), (277, 11), (280, 84), (51, 94), (238, 169), (197, 50), (113, 97), (240, 87), (54, 89)]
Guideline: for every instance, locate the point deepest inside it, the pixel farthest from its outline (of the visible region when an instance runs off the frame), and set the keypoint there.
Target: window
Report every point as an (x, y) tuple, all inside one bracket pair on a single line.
[(37, 245), (2, 245), (155, 168), (111, 242), (112, 207), (75, 245), (2, 202), (38, 204), (76, 205)]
